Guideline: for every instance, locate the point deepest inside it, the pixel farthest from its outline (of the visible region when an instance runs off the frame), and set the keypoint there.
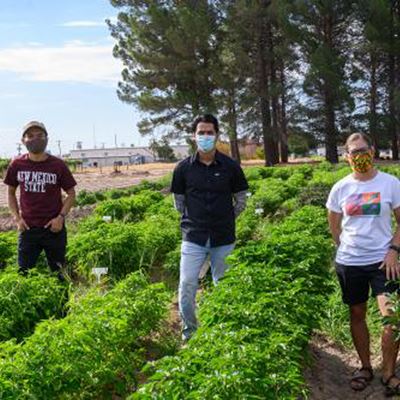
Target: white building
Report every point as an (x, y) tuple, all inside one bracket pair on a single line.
[(121, 155)]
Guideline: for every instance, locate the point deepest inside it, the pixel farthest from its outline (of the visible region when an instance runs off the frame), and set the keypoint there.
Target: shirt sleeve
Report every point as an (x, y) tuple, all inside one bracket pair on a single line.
[(240, 202), (332, 203), (67, 180), (396, 194), (178, 184), (239, 181), (11, 175)]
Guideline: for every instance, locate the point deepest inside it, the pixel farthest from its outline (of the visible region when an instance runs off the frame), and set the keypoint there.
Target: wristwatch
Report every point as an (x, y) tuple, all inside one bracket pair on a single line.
[(62, 215), (394, 247)]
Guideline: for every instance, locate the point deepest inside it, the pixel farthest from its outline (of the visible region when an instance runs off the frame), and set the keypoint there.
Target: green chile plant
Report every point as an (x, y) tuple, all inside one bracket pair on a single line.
[(24, 301), (123, 247), (8, 245), (95, 352), (129, 209), (256, 323)]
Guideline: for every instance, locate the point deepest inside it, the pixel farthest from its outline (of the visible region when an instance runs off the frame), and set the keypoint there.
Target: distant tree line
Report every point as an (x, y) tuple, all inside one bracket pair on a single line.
[(272, 70)]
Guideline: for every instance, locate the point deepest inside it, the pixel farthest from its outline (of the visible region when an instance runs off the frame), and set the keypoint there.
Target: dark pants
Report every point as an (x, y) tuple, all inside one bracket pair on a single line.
[(31, 243)]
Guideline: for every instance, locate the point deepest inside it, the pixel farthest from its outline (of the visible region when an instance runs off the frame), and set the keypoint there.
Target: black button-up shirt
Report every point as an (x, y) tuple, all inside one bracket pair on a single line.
[(208, 190)]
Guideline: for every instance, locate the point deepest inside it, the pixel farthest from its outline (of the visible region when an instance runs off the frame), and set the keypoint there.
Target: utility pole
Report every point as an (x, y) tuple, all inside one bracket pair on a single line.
[(19, 148), (59, 147), (94, 136)]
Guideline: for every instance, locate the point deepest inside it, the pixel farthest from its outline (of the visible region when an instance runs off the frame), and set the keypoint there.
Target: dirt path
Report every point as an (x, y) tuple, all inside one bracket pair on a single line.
[(330, 370)]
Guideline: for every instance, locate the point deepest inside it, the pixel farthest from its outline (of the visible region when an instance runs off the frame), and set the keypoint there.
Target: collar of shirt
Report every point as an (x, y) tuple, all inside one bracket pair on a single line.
[(217, 158)]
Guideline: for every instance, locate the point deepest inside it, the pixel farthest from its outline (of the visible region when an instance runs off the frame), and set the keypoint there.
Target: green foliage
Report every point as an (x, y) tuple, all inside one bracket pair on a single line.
[(242, 350), (129, 209), (4, 162), (315, 194), (85, 197), (24, 301), (8, 248), (123, 247), (271, 193), (163, 150), (93, 353), (172, 262)]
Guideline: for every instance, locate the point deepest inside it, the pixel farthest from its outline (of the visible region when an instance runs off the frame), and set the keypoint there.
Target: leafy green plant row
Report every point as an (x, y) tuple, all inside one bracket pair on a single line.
[(95, 352), (129, 209), (257, 322), (125, 247), (85, 197), (24, 301)]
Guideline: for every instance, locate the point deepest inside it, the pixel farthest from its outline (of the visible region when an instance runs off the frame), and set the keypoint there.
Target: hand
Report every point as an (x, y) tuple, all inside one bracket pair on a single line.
[(21, 224), (56, 224), (391, 265)]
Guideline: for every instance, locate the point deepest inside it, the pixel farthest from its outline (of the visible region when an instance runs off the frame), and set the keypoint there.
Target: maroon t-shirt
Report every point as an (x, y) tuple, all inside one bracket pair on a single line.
[(40, 185)]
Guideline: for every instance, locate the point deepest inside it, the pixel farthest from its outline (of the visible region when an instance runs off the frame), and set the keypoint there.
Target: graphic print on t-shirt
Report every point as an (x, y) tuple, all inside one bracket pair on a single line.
[(363, 204), (36, 181)]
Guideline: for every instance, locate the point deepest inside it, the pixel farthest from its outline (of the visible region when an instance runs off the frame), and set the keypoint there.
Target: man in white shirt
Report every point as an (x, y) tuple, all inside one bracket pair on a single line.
[(360, 209)]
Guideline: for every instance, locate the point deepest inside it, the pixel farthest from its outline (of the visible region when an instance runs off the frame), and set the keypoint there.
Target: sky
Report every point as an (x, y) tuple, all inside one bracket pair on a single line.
[(56, 66)]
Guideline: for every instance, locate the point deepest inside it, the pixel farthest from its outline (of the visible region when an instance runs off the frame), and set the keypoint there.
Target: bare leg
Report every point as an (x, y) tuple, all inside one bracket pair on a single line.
[(359, 332), (390, 347)]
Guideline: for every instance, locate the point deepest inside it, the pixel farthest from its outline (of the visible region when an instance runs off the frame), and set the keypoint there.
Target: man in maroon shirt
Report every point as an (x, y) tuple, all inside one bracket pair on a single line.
[(40, 216)]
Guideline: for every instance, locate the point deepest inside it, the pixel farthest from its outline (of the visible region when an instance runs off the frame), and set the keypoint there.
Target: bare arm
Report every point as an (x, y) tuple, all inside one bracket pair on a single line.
[(12, 201), (69, 201), (391, 261), (57, 223), (335, 225), (14, 208)]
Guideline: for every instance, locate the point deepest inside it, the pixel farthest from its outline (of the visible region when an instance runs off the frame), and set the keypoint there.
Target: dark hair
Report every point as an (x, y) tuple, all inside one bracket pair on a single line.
[(207, 118), (356, 136)]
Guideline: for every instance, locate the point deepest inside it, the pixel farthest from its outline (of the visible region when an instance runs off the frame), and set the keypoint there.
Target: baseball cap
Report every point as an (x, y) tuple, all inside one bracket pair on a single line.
[(34, 124)]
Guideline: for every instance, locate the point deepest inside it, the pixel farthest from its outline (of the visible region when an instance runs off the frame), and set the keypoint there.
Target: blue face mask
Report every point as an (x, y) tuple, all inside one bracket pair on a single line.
[(205, 143)]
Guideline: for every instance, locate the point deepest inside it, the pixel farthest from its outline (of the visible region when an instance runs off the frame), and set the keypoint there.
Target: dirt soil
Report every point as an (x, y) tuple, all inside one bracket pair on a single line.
[(330, 371)]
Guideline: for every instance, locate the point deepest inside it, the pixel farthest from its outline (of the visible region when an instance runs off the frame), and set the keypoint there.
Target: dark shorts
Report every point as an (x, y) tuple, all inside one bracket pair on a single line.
[(33, 241), (356, 281)]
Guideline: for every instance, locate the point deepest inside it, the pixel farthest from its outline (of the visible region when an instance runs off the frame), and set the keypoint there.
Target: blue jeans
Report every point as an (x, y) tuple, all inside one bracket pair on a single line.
[(193, 257)]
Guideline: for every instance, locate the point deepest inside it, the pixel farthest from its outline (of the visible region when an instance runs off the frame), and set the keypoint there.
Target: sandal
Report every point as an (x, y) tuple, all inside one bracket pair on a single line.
[(391, 390), (360, 379)]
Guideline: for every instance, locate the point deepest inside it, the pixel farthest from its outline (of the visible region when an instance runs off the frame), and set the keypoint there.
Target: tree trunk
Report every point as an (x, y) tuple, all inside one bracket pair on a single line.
[(232, 116), (393, 126), (373, 125), (274, 95), (283, 138), (263, 92), (329, 106)]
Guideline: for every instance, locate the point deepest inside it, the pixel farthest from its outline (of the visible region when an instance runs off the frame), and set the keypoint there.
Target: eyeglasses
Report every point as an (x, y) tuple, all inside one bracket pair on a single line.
[(359, 151), (205, 133)]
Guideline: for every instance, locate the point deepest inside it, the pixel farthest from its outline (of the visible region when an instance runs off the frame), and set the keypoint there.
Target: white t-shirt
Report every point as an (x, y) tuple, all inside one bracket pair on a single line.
[(366, 224)]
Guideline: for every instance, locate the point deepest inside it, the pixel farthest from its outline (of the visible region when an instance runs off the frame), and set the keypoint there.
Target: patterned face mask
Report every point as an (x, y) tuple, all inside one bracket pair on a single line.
[(362, 162)]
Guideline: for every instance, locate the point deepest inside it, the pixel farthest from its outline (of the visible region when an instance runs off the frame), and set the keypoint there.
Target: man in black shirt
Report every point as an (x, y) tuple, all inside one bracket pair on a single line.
[(209, 191)]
